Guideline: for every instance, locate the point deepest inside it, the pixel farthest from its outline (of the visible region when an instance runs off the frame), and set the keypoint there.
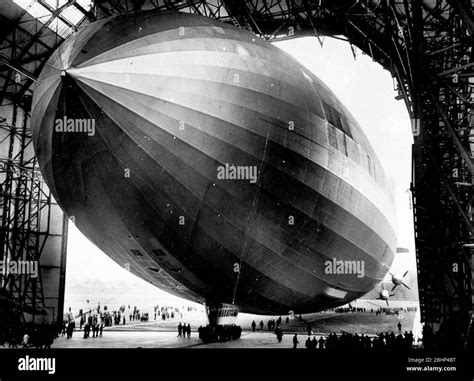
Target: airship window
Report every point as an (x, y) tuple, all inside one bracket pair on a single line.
[(369, 165), (224, 312), (332, 137), (137, 253), (352, 150), (159, 252), (341, 142), (336, 119)]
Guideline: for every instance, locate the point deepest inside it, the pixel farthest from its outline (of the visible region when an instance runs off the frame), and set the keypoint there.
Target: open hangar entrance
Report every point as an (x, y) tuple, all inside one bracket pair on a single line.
[(426, 46)]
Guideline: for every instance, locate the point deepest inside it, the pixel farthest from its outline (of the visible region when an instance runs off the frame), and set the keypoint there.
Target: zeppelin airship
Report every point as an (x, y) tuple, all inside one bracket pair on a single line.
[(212, 164)]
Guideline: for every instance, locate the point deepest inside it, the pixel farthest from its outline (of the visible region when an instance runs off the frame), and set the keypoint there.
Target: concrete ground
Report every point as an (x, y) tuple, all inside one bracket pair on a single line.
[(159, 334), (163, 339)]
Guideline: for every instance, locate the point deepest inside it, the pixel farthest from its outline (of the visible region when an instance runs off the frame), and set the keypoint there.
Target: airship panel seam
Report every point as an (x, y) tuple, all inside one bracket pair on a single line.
[(244, 127), (270, 95)]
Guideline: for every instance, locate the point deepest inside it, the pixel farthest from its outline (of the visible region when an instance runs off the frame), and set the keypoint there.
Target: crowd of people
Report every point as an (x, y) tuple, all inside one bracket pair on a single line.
[(95, 325), (184, 330), (378, 311), (219, 333), (340, 310), (272, 324), (136, 315), (355, 342), (94, 320), (105, 317), (124, 314), (347, 340), (167, 312), (92, 323)]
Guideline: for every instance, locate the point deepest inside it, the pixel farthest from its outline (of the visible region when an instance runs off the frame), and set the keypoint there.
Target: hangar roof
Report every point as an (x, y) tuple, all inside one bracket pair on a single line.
[(30, 31)]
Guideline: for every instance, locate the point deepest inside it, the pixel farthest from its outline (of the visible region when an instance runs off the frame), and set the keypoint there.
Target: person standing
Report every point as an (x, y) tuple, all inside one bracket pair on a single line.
[(279, 334), (253, 326), (295, 341), (68, 331), (71, 326), (26, 340), (188, 330), (180, 329), (261, 325), (321, 343)]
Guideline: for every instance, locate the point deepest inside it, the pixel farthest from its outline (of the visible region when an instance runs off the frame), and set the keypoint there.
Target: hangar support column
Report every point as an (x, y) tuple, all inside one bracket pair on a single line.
[(33, 230)]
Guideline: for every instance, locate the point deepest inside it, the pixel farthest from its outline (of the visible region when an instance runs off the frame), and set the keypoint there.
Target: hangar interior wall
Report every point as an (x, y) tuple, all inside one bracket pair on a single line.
[(33, 230)]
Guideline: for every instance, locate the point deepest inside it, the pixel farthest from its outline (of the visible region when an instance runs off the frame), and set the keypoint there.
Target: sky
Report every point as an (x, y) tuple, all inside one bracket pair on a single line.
[(367, 90)]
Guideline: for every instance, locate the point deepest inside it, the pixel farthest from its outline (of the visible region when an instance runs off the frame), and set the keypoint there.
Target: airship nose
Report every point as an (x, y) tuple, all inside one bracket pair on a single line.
[(70, 72)]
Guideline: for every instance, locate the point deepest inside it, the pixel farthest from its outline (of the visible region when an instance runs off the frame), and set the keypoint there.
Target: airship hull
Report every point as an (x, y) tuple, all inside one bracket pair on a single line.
[(212, 164)]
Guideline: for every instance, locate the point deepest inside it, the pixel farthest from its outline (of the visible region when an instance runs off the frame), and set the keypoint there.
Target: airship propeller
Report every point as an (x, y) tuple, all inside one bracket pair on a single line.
[(384, 295), (398, 280)]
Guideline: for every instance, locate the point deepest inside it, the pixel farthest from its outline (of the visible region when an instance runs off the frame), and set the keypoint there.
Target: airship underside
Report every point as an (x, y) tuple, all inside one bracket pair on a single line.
[(212, 164)]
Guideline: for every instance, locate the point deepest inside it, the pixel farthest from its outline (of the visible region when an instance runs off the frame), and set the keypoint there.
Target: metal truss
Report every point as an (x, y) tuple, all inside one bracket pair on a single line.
[(25, 202), (443, 168), (25, 45), (24, 214)]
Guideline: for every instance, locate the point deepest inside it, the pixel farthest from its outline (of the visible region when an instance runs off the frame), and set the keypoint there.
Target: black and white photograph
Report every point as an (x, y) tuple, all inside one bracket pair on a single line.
[(238, 189)]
